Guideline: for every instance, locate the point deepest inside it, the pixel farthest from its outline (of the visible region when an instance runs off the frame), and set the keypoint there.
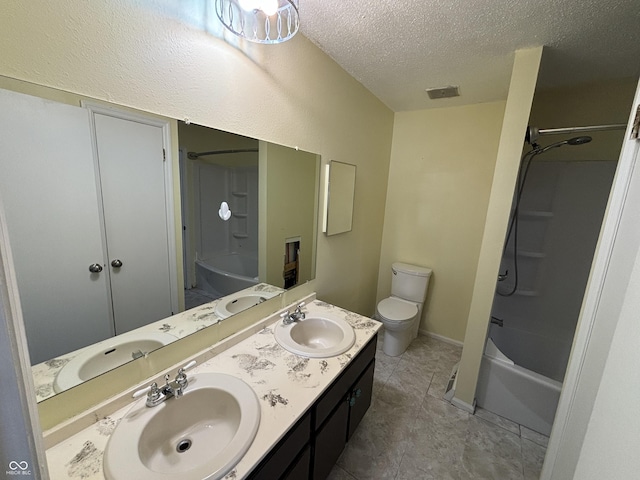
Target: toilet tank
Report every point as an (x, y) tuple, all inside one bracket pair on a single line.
[(409, 282)]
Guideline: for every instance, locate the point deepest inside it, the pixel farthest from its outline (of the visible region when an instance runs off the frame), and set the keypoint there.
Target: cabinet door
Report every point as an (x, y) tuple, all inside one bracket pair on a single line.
[(300, 469), (330, 441), (131, 162), (360, 398), (48, 188), (281, 458)]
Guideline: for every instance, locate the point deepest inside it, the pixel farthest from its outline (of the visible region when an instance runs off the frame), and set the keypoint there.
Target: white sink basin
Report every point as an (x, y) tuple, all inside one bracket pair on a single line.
[(317, 336), (236, 303), (201, 435), (107, 355)]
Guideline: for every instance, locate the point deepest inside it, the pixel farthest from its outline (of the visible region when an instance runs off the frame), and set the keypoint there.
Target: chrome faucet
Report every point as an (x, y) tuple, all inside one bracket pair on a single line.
[(156, 395), (290, 317)]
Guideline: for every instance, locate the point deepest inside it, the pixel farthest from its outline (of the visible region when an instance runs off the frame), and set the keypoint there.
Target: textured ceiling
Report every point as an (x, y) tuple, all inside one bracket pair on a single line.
[(398, 48)]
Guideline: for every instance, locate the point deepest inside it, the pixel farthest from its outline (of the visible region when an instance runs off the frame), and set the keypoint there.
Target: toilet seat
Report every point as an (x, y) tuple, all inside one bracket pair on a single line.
[(396, 310)]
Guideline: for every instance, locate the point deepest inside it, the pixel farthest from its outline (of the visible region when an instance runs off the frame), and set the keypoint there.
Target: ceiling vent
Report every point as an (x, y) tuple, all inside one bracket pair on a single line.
[(443, 92)]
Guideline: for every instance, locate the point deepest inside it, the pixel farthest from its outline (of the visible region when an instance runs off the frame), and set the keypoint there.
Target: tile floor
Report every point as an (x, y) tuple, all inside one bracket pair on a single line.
[(411, 433), (194, 297)]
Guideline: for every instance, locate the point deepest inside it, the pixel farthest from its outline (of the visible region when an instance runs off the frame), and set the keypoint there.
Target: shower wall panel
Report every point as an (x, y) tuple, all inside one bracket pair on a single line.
[(559, 221)]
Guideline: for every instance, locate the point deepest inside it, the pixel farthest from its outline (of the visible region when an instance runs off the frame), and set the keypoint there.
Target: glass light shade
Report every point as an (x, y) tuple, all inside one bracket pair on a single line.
[(260, 21)]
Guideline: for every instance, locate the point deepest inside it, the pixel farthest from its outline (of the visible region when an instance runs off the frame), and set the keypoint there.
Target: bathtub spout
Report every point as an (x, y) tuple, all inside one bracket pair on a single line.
[(497, 321)]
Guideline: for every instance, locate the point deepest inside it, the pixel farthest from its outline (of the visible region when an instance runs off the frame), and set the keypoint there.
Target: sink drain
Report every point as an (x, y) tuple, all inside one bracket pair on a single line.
[(183, 446)]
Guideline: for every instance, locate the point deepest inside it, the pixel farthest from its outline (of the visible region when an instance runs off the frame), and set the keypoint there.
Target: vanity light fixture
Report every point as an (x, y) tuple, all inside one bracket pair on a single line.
[(260, 21)]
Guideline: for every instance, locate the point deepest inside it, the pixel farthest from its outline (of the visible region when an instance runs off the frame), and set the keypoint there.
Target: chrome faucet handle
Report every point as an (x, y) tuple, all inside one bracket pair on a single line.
[(286, 317), (298, 313), (154, 394), (181, 377)]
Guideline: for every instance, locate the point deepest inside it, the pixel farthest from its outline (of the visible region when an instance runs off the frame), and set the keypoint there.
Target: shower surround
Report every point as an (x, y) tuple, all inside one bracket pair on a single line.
[(560, 214), (226, 251)]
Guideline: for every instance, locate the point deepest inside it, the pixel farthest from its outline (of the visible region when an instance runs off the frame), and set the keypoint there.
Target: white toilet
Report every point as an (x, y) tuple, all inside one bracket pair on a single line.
[(400, 313)]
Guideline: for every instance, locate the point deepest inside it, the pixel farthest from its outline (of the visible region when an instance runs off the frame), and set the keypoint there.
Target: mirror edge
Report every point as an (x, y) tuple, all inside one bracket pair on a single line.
[(24, 415)]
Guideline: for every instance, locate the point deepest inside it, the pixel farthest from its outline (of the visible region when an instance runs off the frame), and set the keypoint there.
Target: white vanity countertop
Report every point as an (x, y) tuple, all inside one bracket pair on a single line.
[(286, 386), (179, 325)]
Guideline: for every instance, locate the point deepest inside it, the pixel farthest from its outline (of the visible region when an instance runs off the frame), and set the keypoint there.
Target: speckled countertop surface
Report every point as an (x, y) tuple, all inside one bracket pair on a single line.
[(286, 385), (179, 326)]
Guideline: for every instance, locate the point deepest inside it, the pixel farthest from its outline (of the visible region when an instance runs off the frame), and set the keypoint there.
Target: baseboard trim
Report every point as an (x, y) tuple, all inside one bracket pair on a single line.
[(462, 405), (442, 338)]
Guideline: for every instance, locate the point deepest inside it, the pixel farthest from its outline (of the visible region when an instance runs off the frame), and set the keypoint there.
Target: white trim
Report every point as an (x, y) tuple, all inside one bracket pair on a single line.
[(188, 268), (462, 405), (102, 109), (325, 198), (589, 351), (11, 312), (442, 338)]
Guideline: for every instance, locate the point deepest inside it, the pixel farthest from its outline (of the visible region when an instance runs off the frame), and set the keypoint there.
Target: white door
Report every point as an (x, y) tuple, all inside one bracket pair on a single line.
[(48, 187), (131, 164)]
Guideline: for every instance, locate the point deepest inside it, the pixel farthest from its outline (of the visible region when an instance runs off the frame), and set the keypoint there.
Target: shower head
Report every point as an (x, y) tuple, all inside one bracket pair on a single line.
[(571, 141), (578, 140)]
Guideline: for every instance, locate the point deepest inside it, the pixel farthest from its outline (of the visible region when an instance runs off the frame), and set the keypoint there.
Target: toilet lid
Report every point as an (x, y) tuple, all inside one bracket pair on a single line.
[(396, 309)]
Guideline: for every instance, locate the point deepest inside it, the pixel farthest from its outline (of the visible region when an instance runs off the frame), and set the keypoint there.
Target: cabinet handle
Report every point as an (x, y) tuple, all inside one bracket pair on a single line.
[(352, 397), (95, 268), (116, 263)]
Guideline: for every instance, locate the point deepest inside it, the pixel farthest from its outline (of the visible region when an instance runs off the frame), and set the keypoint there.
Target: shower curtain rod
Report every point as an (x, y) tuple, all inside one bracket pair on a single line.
[(590, 128), (195, 155)]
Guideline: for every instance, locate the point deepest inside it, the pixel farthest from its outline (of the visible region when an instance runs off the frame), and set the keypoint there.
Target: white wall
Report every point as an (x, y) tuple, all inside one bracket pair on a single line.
[(612, 442)]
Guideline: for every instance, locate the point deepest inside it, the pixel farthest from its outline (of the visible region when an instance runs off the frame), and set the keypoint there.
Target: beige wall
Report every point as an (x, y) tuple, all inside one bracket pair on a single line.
[(442, 163), (521, 89), (292, 180), (173, 59)]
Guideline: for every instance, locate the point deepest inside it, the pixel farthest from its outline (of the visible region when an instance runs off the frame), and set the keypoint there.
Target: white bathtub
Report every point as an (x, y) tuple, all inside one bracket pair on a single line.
[(225, 274), (513, 392)]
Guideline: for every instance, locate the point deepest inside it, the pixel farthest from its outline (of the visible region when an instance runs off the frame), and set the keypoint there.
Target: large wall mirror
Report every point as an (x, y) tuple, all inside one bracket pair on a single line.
[(105, 211)]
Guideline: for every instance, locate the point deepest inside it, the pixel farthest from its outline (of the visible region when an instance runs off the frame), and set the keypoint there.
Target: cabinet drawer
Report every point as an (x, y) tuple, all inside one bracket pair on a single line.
[(281, 456), (343, 383)]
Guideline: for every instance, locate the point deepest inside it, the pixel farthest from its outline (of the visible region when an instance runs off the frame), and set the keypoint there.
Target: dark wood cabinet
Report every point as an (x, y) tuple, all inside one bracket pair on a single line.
[(312, 446), (283, 456), (330, 440), (360, 399), (300, 468)]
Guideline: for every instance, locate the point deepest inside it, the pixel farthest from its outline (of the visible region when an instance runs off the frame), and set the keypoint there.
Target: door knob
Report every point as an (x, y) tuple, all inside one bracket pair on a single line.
[(95, 268), (116, 263)]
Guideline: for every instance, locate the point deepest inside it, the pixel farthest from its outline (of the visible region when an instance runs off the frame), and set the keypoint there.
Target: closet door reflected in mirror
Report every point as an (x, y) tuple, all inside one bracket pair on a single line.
[(82, 237), (341, 191)]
